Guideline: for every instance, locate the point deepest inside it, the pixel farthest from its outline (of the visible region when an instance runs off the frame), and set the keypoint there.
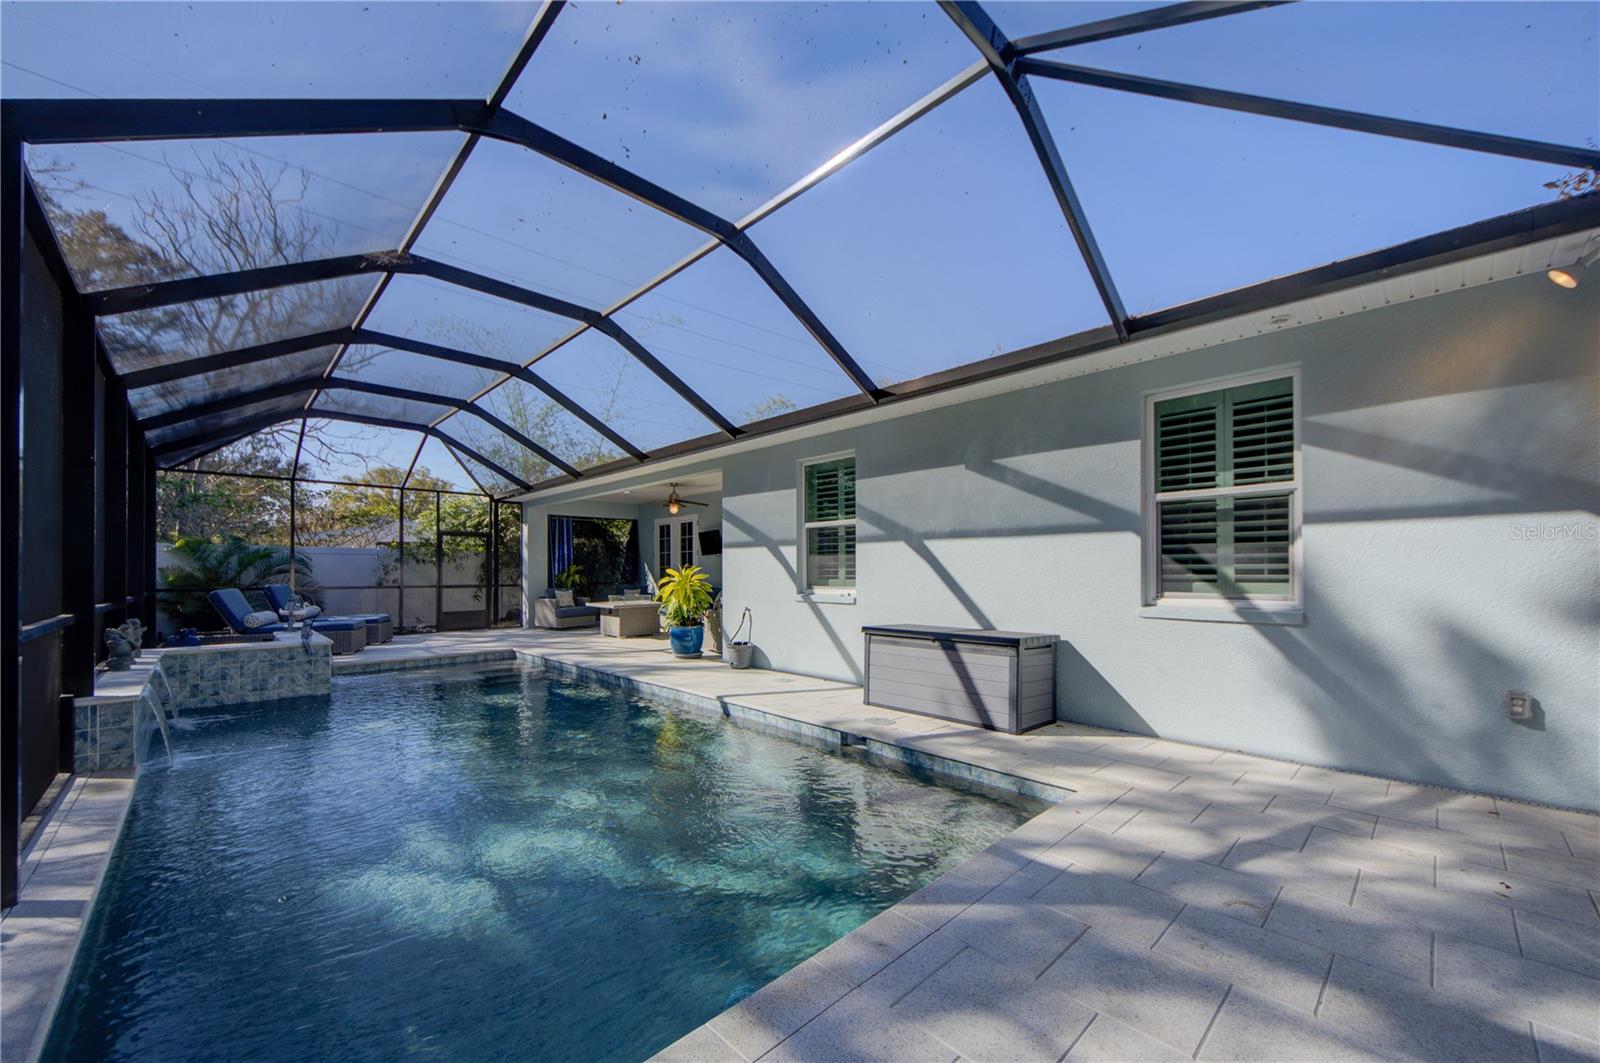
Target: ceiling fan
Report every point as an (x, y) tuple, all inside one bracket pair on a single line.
[(674, 503)]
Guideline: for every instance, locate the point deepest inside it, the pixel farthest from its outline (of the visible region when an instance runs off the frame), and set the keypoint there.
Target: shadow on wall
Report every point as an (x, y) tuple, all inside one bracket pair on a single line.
[(899, 533), (780, 554), (1363, 702), (1443, 725), (1406, 685), (1084, 695)]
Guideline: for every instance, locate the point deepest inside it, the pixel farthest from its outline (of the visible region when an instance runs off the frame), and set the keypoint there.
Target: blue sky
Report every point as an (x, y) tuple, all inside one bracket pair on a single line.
[(940, 247)]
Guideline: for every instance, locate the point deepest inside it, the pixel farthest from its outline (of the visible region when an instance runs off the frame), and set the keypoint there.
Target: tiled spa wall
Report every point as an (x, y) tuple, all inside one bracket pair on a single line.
[(245, 674), (103, 739), (116, 733)]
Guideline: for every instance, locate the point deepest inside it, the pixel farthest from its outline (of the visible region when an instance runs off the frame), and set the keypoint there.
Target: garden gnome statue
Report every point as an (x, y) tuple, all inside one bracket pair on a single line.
[(134, 629), (120, 650)]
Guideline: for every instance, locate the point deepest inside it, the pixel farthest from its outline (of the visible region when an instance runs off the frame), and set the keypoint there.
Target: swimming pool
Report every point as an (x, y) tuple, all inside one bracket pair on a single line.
[(484, 864)]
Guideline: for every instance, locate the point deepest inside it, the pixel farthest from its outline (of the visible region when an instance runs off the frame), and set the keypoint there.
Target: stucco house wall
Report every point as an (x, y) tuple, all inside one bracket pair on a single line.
[(1451, 553)]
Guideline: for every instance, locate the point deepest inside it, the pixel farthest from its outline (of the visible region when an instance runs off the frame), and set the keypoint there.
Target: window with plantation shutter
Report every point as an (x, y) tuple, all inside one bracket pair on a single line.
[(828, 524), (1223, 509)]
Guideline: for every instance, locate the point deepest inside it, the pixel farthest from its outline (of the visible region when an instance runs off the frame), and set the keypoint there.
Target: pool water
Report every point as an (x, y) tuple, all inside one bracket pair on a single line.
[(484, 865)]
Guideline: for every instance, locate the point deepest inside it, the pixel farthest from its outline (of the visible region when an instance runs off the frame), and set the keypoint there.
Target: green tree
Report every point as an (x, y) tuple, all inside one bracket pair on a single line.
[(203, 503)]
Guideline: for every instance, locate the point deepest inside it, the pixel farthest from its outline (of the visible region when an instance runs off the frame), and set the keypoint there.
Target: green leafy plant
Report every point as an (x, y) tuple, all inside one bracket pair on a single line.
[(200, 565), (570, 578), (686, 594)]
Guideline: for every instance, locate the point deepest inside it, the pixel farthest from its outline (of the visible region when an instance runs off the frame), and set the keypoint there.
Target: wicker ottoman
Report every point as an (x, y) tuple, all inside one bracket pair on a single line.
[(380, 626), (624, 619), (347, 636)]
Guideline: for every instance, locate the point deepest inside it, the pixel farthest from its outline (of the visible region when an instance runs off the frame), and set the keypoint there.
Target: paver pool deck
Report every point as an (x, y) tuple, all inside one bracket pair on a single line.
[(1183, 902), (1180, 902)]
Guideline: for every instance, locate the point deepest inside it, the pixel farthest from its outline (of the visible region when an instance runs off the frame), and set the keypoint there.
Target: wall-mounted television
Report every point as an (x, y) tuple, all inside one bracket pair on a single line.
[(711, 542)]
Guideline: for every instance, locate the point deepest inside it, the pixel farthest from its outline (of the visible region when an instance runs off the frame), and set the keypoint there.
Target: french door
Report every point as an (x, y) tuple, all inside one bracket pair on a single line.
[(677, 543)]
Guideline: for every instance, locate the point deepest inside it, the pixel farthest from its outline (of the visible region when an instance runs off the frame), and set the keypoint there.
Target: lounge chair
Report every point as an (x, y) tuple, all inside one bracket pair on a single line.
[(280, 596), (380, 626), (234, 608)]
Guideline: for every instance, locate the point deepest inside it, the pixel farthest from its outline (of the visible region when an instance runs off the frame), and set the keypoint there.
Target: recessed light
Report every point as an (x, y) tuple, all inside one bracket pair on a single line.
[(1561, 278), (1567, 276)]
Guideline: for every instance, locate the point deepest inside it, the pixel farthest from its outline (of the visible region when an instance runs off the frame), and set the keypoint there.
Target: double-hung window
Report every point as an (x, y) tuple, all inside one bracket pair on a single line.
[(1222, 513), (828, 525)]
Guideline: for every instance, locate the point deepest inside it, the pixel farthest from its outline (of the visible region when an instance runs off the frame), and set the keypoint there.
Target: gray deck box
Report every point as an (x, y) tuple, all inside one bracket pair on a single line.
[(1002, 680)]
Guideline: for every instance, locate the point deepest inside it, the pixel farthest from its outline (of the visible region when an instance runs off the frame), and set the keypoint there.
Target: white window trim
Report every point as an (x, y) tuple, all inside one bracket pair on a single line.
[(804, 592), (1201, 607), (655, 544)]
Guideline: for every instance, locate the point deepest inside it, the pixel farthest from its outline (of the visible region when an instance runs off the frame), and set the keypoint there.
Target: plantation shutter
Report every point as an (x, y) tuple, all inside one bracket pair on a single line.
[(830, 531), (1186, 442), (1261, 428), (1230, 544), (831, 490)]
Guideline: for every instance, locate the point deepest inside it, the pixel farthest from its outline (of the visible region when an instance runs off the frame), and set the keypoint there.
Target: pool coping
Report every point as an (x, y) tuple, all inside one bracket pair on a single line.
[(738, 711), (59, 885), (741, 714), (881, 733)]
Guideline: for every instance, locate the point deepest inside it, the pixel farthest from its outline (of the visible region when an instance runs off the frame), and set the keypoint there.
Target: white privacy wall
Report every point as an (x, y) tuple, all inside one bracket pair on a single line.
[(1450, 462)]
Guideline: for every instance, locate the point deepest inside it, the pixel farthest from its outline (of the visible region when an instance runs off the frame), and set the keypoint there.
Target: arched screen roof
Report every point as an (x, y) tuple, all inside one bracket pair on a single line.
[(665, 225)]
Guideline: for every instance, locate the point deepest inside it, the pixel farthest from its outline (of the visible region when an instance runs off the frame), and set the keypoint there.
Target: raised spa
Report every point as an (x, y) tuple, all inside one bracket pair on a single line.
[(484, 865)]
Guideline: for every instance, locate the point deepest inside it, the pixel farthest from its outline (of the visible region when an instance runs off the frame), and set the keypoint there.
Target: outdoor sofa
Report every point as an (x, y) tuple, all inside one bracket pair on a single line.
[(552, 611)]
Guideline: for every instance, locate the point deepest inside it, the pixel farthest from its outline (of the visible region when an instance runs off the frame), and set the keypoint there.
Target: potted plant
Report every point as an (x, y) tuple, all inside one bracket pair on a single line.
[(570, 579), (685, 595)]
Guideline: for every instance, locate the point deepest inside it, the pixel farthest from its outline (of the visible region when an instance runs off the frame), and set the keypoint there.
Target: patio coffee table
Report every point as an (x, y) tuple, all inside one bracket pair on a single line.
[(627, 619)]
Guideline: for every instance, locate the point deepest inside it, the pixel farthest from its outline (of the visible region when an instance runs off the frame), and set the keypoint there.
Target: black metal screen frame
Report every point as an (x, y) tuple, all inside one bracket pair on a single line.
[(495, 604), (1011, 62)]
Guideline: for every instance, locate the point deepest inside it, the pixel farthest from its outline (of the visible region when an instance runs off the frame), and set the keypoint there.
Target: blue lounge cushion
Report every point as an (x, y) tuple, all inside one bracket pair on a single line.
[(278, 594), (233, 606), (281, 595), (564, 612), (338, 623), (369, 619)]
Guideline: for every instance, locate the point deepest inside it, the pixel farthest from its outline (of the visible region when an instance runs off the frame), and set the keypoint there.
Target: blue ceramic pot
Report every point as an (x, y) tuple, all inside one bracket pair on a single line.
[(686, 641)]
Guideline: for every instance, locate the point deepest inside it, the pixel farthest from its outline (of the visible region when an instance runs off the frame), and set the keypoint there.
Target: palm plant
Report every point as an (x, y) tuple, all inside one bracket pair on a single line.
[(571, 578), (686, 594), (203, 565)]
